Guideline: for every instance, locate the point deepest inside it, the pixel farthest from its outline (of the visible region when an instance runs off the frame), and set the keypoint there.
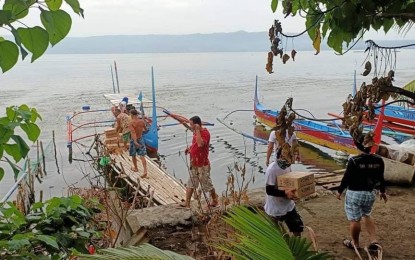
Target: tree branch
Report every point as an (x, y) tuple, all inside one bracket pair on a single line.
[(410, 16)]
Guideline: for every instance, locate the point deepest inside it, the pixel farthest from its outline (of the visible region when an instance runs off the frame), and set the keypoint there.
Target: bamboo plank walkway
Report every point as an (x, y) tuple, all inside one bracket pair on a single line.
[(165, 189)]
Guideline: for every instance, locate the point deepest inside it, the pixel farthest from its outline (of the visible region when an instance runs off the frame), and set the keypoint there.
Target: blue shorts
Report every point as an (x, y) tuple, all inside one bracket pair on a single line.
[(359, 204), (140, 150)]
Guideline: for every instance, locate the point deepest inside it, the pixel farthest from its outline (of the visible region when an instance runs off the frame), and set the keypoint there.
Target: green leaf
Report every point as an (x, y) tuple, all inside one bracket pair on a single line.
[(274, 5), (75, 7), (54, 5), (387, 24), (32, 130), (17, 244), (57, 23), (9, 53), (37, 205), (35, 40), (48, 240), (14, 168), (312, 20), (377, 23), (5, 134), (1, 151), (35, 115), (1, 172), (13, 150), (335, 41), (18, 8), (22, 146), (5, 17), (11, 113)]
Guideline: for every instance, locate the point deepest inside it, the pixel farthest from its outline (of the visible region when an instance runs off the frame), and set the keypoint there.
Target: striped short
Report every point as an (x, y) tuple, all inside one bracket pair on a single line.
[(359, 204)]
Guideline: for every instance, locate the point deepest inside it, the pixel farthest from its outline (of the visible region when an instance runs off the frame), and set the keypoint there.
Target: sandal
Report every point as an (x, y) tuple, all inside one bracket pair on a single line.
[(374, 247), (349, 244)]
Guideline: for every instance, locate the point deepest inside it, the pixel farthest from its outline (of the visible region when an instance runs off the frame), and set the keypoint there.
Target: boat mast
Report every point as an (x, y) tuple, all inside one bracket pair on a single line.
[(116, 76), (113, 83)]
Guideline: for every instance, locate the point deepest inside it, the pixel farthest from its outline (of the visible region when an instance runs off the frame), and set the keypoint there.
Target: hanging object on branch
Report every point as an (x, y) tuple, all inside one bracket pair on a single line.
[(268, 67), (293, 52), (317, 41), (275, 36), (368, 68)]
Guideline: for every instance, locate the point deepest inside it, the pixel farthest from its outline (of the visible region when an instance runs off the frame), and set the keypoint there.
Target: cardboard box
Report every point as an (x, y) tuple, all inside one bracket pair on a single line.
[(302, 191), (113, 140), (295, 180), (110, 131)]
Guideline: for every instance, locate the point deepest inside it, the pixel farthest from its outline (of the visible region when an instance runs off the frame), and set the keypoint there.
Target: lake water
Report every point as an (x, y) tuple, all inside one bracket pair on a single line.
[(206, 84)]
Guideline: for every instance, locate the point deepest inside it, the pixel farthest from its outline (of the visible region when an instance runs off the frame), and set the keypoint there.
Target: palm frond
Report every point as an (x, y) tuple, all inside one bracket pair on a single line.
[(410, 86), (258, 237), (144, 251)]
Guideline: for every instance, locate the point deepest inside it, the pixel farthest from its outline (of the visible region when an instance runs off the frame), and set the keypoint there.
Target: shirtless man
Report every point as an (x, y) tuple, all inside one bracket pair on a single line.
[(137, 146)]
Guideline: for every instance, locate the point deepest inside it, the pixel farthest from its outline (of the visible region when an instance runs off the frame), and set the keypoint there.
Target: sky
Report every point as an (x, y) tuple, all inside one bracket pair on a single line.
[(139, 17)]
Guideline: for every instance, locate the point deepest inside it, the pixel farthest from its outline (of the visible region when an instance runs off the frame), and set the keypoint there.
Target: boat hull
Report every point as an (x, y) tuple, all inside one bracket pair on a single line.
[(317, 133)]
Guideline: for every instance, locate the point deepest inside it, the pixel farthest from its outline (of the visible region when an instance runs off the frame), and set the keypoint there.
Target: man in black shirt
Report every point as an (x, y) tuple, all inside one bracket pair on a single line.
[(363, 174)]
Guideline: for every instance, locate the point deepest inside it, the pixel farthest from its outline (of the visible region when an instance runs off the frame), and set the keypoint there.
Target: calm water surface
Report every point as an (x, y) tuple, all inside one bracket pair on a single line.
[(206, 84)]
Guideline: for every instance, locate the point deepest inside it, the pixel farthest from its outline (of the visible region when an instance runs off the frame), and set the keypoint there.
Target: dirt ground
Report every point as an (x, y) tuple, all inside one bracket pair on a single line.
[(395, 222)]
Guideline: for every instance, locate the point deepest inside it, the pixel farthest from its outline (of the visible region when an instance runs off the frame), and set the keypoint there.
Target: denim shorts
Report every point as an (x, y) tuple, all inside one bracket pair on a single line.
[(140, 150), (358, 204)]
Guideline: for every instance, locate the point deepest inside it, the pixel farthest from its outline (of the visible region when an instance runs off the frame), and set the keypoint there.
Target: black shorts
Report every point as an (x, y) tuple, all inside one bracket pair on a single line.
[(293, 220)]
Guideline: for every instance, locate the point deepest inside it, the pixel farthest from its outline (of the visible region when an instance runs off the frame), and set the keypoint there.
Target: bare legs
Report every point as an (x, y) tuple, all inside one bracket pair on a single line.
[(355, 232), (371, 228), (189, 193), (355, 228), (143, 161)]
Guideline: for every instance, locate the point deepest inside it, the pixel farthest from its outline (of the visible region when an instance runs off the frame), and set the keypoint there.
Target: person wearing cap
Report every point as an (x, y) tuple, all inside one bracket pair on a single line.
[(363, 174)]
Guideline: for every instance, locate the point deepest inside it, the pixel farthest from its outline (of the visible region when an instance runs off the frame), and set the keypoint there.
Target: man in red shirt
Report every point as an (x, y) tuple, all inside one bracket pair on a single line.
[(199, 163)]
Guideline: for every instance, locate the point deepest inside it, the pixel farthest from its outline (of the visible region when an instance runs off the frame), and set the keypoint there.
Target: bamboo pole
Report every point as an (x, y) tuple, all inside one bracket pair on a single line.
[(43, 158), (54, 149)]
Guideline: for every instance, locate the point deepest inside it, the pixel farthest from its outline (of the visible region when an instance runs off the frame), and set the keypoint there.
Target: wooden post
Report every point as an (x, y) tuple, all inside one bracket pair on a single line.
[(43, 158), (40, 195), (39, 167)]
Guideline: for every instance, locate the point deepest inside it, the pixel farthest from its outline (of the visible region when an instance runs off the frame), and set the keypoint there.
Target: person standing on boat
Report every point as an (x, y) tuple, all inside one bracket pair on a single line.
[(122, 126), (274, 145), (279, 204), (137, 145), (199, 163), (363, 173)]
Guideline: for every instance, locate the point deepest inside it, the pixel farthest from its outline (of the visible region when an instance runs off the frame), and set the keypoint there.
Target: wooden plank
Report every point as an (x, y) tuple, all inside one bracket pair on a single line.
[(340, 171), (332, 186), (323, 175), (167, 190), (329, 180)]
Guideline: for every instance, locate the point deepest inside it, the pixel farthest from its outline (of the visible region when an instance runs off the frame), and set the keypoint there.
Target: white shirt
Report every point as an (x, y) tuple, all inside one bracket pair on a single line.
[(273, 139), (276, 206)]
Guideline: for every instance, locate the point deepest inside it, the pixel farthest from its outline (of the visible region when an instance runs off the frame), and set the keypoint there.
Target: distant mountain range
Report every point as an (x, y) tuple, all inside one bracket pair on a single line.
[(240, 41)]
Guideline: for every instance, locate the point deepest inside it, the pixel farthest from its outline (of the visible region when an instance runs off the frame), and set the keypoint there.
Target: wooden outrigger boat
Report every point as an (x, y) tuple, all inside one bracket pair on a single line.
[(74, 125), (315, 132)]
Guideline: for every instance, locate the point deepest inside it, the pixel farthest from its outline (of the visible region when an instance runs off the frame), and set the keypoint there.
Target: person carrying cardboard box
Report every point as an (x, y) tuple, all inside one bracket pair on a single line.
[(279, 203)]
